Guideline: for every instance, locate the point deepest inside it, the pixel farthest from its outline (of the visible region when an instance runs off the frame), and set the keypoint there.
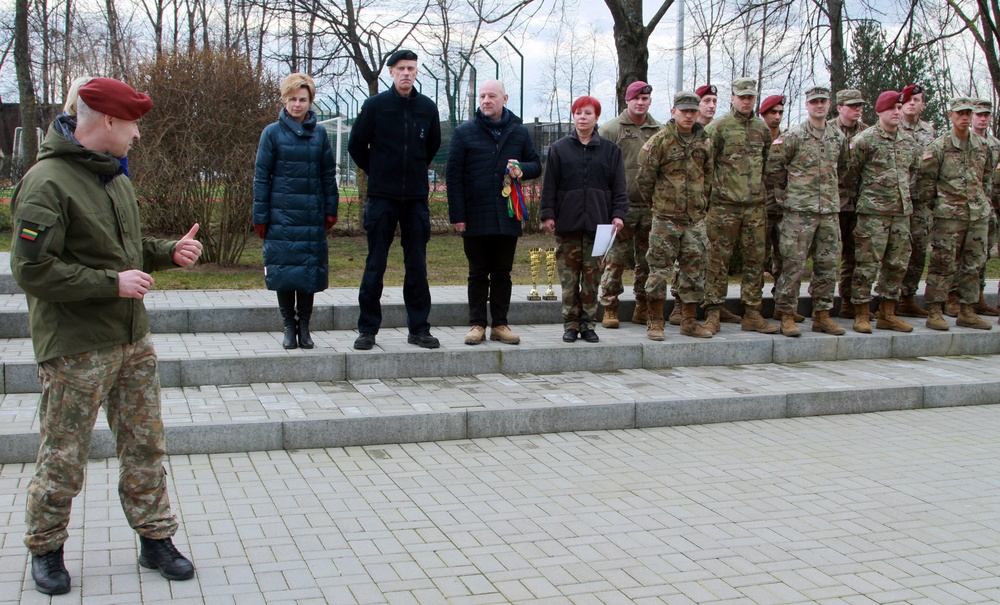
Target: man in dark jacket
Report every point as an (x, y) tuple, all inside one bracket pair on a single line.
[(484, 151), (80, 257), (394, 140)]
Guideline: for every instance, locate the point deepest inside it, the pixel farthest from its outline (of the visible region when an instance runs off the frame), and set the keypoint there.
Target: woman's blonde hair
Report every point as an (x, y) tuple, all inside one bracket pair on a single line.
[(292, 83), (74, 94)]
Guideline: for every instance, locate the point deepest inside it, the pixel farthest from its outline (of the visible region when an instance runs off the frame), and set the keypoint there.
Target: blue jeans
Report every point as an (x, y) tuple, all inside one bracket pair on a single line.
[(381, 218)]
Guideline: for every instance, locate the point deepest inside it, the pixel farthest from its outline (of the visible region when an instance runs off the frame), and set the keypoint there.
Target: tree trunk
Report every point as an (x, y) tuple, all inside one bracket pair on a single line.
[(838, 55), (25, 86), (115, 41), (632, 41)]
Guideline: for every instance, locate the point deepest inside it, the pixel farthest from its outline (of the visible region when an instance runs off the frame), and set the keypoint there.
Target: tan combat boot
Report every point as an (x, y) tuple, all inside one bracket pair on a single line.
[(788, 327), (640, 315), (907, 307), (675, 313), (934, 319), (967, 318), (654, 320), (753, 321), (952, 305), (798, 318), (610, 319), (726, 317), (712, 319), (887, 319), (983, 308), (476, 335), (689, 322), (823, 323), (862, 324), (505, 335)]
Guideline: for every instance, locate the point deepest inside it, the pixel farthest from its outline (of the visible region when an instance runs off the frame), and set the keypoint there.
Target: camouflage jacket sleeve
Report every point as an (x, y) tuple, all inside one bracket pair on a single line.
[(930, 167), (776, 169), (649, 165), (709, 172), (843, 163), (857, 157), (988, 173)]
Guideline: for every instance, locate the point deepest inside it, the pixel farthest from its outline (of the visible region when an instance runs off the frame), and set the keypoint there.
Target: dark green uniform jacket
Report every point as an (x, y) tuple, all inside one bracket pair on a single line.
[(76, 226)]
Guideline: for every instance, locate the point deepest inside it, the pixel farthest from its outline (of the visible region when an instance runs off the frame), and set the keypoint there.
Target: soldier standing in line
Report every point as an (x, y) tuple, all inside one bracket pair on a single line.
[(772, 110), (956, 179), (922, 218), (848, 120), (630, 131), (982, 115), (675, 168), (804, 168), (740, 144), (708, 101), (882, 166)]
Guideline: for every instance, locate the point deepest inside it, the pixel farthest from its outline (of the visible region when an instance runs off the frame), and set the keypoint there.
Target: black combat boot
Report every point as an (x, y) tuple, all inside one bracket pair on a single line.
[(162, 555), (49, 572)]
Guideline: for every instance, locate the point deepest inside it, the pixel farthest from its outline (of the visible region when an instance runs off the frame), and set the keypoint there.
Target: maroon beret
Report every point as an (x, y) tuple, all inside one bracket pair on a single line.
[(888, 100), (708, 89), (115, 98), (770, 102), (637, 88), (910, 90)]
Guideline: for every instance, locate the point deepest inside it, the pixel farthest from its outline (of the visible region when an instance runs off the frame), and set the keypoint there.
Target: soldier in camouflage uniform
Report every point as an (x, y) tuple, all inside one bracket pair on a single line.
[(922, 218), (736, 213), (80, 258), (804, 168), (630, 131), (956, 179), (675, 174), (848, 120), (882, 166), (982, 116)]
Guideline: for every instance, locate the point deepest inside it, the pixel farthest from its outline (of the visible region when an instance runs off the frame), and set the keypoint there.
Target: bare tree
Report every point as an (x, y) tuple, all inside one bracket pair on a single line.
[(632, 41), (25, 85)]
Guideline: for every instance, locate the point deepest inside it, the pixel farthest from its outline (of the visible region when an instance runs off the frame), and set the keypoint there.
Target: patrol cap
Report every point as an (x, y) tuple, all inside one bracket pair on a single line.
[(888, 100), (850, 96), (982, 106), (769, 102), (911, 89), (961, 104), (705, 90), (686, 100), (637, 88), (401, 55), (745, 87), (817, 92), (115, 98)]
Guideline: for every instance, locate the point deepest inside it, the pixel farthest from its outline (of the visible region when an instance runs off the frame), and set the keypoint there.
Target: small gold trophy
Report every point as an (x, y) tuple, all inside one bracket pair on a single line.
[(550, 272), (535, 256)]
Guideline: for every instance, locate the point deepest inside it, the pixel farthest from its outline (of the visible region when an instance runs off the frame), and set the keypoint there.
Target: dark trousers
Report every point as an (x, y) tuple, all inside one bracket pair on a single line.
[(381, 219), (491, 258)]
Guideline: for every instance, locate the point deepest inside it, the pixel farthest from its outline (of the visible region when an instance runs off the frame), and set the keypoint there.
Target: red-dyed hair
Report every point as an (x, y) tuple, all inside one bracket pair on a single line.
[(583, 102)]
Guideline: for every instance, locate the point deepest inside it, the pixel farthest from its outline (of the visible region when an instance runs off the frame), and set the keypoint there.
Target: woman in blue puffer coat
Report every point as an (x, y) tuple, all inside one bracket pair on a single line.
[(294, 205)]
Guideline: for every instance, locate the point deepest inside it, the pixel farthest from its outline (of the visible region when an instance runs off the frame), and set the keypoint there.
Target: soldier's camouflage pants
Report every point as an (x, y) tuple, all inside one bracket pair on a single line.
[(958, 252), (883, 249), (579, 274), (921, 222), (726, 225), (124, 380), (685, 243), (991, 249), (803, 233), (632, 241), (848, 262), (772, 250)]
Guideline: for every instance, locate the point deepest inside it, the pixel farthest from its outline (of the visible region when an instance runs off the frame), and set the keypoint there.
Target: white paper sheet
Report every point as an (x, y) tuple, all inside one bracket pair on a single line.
[(603, 239)]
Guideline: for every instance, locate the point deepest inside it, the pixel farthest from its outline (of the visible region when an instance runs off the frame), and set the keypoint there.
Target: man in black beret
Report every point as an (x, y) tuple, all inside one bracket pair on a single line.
[(394, 141)]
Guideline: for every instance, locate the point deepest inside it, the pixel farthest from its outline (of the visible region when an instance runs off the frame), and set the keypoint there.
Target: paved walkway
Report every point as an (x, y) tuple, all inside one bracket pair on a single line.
[(893, 507)]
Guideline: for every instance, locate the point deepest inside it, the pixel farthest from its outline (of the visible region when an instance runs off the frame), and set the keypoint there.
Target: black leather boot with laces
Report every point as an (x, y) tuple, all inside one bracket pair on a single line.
[(162, 555), (50, 573)]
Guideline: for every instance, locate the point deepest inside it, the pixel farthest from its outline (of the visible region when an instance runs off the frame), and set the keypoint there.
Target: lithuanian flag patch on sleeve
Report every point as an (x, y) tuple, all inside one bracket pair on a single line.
[(28, 234)]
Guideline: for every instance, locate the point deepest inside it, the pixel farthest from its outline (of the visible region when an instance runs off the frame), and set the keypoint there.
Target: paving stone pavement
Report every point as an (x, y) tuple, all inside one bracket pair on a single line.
[(890, 507)]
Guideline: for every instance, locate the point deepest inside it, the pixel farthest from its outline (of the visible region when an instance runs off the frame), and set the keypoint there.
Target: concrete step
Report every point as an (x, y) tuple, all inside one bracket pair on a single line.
[(262, 415), (222, 358)]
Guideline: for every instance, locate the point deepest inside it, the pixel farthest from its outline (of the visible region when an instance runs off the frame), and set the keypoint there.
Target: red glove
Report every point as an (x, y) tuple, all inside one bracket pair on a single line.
[(261, 229), (331, 220)]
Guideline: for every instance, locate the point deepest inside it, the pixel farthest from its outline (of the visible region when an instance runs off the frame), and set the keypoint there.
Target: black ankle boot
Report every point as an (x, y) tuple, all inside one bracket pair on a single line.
[(50, 573), (286, 304), (162, 555), (305, 309)]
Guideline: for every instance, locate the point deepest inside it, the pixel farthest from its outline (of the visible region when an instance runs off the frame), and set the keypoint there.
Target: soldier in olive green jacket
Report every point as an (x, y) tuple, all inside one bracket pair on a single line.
[(79, 255)]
